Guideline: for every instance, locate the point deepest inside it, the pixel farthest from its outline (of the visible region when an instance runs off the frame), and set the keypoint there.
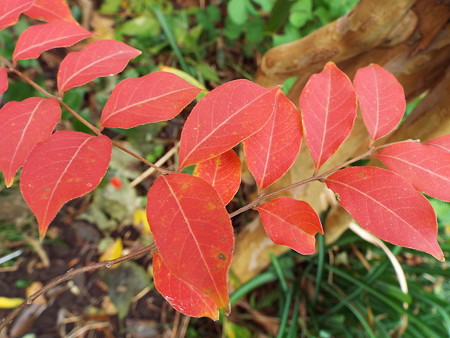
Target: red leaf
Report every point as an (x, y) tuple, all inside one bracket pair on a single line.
[(381, 99), (67, 165), (442, 142), (3, 80), (427, 167), (37, 39), (292, 223), (388, 206), (272, 151), (223, 172), (10, 11), (100, 58), (50, 10), (328, 105), (22, 125), (193, 233), (223, 118), (154, 97), (182, 296)]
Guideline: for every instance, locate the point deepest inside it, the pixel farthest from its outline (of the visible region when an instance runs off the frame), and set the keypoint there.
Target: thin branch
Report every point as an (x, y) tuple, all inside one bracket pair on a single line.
[(158, 163), (71, 274), (79, 117), (140, 158), (315, 177)]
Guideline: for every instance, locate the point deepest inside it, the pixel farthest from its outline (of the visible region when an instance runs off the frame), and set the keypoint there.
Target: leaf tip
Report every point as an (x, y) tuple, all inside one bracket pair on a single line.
[(9, 181), (42, 232)]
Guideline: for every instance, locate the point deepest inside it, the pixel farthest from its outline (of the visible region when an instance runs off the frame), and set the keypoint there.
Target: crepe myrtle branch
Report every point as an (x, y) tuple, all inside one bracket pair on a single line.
[(134, 254)]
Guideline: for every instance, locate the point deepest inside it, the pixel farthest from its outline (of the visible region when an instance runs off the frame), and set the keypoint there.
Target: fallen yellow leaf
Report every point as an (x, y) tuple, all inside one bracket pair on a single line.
[(113, 251), (140, 219), (10, 303)]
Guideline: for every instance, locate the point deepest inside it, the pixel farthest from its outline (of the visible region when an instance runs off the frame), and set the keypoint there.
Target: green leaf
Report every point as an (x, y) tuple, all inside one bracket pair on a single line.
[(301, 13), (140, 26), (110, 7), (232, 30), (290, 34), (255, 30), (232, 330), (207, 72), (237, 10)]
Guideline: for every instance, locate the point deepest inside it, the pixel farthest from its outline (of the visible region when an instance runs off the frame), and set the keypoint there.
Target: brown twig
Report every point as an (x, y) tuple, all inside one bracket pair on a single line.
[(69, 275)]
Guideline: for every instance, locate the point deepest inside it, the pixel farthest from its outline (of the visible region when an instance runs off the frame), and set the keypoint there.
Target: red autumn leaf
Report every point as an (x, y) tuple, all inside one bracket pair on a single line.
[(50, 10), (223, 172), (193, 233), (224, 117), (3, 80), (442, 142), (388, 206), (381, 100), (292, 223), (328, 106), (10, 11), (22, 125), (271, 152), (159, 96), (425, 166), (37, 39), (181, 295), (100, 58), (67, 165)]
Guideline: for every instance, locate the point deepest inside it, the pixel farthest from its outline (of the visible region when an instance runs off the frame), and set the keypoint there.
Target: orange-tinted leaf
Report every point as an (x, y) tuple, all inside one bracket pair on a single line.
[(10, 11), (22, 125), (50, 10), (427, 167), (37, 39), (193, 233), (271, 152), (328, 105), (159, 96), (292, 223), (223, 172), (3, 80), (381, 100), (224, 117), (388, 206), (442, 142), (67, 165), (181, 295), (100, 58)]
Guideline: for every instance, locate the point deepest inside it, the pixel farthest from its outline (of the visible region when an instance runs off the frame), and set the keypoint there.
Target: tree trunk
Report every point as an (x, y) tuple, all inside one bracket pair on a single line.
[(411, 39)]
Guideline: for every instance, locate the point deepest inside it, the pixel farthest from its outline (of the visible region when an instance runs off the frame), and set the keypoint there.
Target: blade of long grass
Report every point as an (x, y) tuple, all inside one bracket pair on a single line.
[(444, 314), (279, 272), (292, 333), (370, 278), (285, 313), (171, 38), (320, 261), (252, 284), (356, 312), (399, 309)]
